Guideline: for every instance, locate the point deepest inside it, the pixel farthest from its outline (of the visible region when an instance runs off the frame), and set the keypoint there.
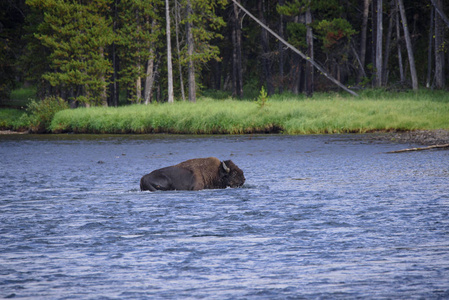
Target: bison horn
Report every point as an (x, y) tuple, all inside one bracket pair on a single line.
[(225, 167)]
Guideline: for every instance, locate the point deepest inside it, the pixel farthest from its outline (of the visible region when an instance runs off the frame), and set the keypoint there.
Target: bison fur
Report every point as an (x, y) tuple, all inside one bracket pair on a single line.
[(194, 174)]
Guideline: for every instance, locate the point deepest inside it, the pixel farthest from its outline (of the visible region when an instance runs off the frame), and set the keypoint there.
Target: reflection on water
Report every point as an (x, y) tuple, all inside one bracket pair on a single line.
[(319, 217)]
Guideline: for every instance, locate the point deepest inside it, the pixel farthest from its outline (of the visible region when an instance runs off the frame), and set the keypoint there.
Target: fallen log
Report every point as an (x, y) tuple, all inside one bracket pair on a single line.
[(421, 149)]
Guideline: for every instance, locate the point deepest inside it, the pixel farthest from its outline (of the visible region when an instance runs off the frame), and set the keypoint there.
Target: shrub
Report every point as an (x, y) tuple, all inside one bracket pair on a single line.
[(40, 114)]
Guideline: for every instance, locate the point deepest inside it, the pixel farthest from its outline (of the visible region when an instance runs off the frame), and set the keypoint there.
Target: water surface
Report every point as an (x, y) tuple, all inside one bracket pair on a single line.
[(331, 217)]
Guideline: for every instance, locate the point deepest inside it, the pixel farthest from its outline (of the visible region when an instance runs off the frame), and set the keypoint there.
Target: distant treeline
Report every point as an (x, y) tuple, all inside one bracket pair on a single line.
[(91, 52)]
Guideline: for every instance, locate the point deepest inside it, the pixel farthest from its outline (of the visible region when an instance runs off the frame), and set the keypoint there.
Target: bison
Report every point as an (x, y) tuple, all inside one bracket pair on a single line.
[(194, 174)]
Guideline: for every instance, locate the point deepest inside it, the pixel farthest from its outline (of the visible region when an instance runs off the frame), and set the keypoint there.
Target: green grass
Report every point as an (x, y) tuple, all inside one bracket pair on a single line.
[(324, 113), (19, 98), (11, 119)]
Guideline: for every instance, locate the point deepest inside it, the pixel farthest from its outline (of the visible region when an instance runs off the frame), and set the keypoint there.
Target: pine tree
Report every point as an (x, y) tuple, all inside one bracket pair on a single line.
[(202, 27), (76, 34), (138, 36)]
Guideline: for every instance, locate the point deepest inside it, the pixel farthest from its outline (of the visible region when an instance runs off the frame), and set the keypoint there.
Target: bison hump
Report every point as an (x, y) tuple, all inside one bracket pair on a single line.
[(205, 171)]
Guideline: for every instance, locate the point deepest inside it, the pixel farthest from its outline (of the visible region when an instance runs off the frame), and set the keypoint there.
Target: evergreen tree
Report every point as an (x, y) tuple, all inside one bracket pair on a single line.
[(202, 28), (76, 34), (138, 35)]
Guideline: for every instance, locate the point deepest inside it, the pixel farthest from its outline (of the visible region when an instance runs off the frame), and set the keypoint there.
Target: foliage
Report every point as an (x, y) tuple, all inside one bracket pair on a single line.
[(138, 31), (333, 31), (40, 113), (262, 98), (76, 33), (11, 119), (76, 48), (325, 113), (206, 26)]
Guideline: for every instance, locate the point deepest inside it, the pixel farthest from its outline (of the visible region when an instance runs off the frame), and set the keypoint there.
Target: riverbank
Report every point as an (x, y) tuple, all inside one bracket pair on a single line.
[(421, 117), (421, 137)]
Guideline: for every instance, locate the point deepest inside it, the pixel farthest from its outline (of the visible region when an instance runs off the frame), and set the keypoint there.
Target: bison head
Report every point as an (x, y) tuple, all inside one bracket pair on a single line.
[(231, 175)]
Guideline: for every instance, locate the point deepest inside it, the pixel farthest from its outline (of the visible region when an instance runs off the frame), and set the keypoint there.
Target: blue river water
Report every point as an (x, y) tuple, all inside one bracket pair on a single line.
[(319, 217)]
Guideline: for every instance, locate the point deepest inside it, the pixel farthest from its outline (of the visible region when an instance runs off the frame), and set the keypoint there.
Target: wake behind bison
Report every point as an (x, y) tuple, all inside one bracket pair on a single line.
[(194, 174)]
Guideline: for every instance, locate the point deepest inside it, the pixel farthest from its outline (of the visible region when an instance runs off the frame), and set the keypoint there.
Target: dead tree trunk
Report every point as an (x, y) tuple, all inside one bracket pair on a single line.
[(366, 5), (408, 43), (309, 66), (171, 96), (237, 73), (439, 48), (309, 59), (190, 52), (379, 35)]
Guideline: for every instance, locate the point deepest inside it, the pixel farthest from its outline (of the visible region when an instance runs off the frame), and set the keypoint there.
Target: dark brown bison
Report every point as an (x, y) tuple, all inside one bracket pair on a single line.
[(194, 174)]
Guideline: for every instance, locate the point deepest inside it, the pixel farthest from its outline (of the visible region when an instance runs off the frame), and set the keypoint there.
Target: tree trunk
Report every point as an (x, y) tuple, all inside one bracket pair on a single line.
[(104, 92), (190, 52), (379, 36), (237, 72), (177, 18), (439, 48), (281, 51), (385, 70), (308, 59), (438, 5), (149, 80), (171, 96), (398, 39), (114, 85), (151, 69), (309, 66), (430, 47), (366, 5), (265, 51), (138, 86), (408, 43)]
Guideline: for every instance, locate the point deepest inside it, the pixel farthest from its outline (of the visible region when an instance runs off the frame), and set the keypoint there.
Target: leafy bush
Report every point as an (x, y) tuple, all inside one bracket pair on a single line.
[(40, 114)]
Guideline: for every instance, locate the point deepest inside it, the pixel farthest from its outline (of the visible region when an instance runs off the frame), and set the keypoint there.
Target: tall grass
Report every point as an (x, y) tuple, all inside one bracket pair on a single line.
[(324, 113), (12, 119)]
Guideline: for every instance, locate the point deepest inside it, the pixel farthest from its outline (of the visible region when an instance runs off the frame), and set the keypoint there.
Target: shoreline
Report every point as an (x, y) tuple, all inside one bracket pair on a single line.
[(421, 137)]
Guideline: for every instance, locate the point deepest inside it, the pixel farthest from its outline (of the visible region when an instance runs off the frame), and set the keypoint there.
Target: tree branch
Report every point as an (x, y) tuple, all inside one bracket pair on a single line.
[(318, 67), (441, 13), (421, 149)]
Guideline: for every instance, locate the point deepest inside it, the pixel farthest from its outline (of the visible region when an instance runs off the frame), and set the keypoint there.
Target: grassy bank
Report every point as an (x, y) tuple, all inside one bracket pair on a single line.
[(324, 113)]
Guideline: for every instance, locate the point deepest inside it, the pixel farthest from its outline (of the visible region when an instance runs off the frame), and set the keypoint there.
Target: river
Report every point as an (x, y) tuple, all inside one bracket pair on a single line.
[(319, 217)]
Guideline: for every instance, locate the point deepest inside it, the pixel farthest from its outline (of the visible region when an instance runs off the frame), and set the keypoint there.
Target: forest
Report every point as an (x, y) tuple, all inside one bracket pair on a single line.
[(93, 53)]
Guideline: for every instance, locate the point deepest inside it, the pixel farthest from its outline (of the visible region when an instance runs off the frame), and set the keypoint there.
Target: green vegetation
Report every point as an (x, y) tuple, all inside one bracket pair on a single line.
[(324, 113), (37, 118), (375, 110), (40, 114), (10, 119)]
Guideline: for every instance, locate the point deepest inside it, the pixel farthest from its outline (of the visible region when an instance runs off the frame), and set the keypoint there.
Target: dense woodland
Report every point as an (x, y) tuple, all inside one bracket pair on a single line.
[(90, 52)]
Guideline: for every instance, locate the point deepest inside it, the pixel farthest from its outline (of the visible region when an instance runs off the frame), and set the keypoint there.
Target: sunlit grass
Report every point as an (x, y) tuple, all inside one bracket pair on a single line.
[(324, 113)]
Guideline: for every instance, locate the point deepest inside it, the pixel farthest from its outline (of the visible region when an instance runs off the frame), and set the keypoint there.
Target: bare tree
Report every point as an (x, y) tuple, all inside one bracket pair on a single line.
[(281, 51), (366, 5), (237, 72), (177, 18), (439, 47), (430, 47), (379, 35), (190, 52), (307, 58), (171, 96), (408, 43), (385, 70), (398, 39), (309, 40), (265, 51)]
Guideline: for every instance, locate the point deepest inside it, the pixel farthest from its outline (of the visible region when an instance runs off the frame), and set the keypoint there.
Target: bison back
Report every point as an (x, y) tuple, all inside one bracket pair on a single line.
[(169, 178)]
